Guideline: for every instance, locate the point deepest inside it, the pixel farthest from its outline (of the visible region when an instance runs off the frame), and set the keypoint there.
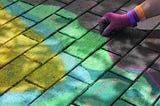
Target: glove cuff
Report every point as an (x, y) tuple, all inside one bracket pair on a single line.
[(133, 18)]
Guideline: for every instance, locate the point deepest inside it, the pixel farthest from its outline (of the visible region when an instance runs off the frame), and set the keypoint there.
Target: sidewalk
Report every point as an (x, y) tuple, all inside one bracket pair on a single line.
[(51, 54)]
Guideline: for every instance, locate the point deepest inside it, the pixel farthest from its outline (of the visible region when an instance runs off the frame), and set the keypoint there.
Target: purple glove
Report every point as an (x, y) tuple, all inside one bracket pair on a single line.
[(112, 22)]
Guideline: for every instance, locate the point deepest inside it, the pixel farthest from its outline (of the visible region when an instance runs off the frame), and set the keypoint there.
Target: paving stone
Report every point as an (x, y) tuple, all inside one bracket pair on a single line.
[(104, 91), (108, 6), (74, 29), (121, 103), (86, 45), (50, 47), (67, 14), (143, 92), (155, 75), (18, 8), (72, 105), (5, 3), (98, 0), (89, 20), (135, 62), (13, 28), (156, 65), (10, 12), (37, 53), (79, 6), (30, 33), (14, 48), (65, 1), (131, 4), (152, 41), (94, 66), (53, 70), (33, 2), (43, 10), (148, 24), (45, 28), (63, 40), (15, 71), (21, 94), (158, 103), (54, 3), (4, 17), (157, 28), (67, 87), (36, 57), (124, 40)]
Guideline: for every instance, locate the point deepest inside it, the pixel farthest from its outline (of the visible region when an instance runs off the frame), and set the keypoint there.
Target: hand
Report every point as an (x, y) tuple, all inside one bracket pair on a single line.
[(111, 22)]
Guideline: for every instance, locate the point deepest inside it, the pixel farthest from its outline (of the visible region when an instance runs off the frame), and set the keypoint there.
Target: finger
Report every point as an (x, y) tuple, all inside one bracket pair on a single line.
[(103, 23), (107, 31)]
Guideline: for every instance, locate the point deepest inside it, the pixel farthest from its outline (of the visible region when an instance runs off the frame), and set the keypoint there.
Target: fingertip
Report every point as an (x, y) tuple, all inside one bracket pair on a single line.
[(106, 32)]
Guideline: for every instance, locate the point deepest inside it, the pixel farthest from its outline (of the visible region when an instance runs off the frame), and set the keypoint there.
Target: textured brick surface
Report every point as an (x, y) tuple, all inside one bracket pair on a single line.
[(57, 92), (15, 71), (156, 65), (158, 103), (143, 94), (65, 1), (51, 54), (88, 45), (131, 4), (122, 42), (79, 6), (135, 62), (153, 41), (121, 103), (110, 85), (89, 20), (93, 72), (107, 6)]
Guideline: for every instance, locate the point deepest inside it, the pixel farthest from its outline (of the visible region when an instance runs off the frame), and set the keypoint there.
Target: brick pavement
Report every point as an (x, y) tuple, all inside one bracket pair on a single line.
[(52, 55)]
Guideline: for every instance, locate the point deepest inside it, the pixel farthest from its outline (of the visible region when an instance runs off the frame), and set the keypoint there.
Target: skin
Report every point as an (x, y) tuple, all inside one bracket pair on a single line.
[(151, 8)]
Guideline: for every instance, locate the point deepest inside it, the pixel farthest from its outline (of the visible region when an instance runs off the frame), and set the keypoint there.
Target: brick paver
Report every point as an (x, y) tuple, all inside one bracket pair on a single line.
[(53, 55)]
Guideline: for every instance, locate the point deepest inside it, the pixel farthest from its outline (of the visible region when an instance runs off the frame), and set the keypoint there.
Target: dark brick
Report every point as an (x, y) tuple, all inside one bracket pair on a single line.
[(148, 24), (65, 1), (135, 62), (33, 2), (157, 65), (89, 20), (54, 3), (137, 58), (80, 6), (131, 4), (104, 92), (155, 74), (124, 40), (108, 6), (98, 0), (153, 41)]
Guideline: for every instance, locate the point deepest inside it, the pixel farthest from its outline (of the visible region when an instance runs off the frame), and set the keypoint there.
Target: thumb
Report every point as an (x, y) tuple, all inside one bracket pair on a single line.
[(107, 31), (103, 23)]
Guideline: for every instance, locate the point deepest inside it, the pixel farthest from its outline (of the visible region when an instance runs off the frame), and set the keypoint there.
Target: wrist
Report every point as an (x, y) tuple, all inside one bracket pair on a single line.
[(140, 13), (132, 18)]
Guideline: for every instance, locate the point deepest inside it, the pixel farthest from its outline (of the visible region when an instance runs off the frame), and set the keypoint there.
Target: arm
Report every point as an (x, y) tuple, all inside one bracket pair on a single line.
[(151, 8)]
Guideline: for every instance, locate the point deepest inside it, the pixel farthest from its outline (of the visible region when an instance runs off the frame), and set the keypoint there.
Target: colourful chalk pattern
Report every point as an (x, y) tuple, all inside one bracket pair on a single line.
[(33, 62)]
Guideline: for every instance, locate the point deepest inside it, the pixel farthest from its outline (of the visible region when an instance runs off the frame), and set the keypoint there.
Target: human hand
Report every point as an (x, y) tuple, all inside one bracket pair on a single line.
[(111, 22)]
